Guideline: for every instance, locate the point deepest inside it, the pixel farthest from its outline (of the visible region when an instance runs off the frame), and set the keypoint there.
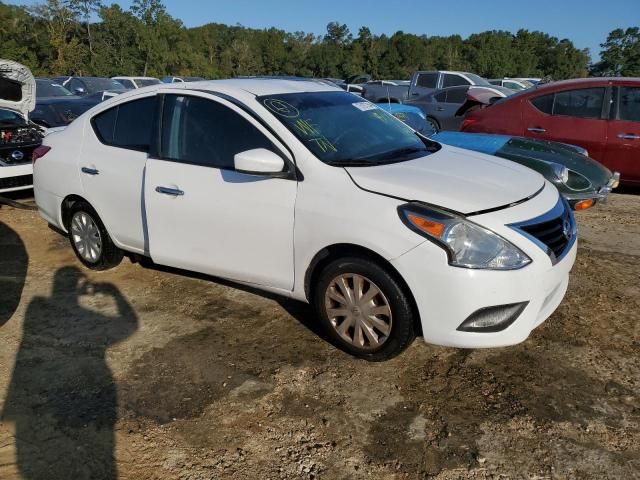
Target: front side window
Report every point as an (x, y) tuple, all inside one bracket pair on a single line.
[(451, 80), (428, 80), (629, 104), (199, 131), (127, 125), (583, 103), (341, 129)]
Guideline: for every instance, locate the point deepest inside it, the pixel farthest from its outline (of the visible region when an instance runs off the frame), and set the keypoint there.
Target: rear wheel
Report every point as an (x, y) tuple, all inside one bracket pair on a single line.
[(364, 310), (89, 239)]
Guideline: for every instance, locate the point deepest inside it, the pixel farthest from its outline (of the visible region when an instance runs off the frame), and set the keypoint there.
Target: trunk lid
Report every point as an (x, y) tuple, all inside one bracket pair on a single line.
[(17, 88)]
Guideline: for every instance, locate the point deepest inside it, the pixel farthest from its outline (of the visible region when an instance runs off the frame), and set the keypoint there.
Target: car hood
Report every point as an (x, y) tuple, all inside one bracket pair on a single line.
[(452, 178), (17, 88), (553, 152)]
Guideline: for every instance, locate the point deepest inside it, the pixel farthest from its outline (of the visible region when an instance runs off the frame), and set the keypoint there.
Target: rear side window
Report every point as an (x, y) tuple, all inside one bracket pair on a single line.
[(582, 103), (441, 97), (629, 104), (451, 80), (544, 103), (127, 125), (199, 131), (457, 95), (428, 80)]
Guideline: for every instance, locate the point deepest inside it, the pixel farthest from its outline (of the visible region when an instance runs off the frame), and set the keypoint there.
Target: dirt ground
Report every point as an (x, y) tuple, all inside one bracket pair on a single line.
[(138, 374)]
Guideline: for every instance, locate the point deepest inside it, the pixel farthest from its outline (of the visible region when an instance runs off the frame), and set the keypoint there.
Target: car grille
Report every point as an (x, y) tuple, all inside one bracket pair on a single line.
[(16, 182), (554, 232)]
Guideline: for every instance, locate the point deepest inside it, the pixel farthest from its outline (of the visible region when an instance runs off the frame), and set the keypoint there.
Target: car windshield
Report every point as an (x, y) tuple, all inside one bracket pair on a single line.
[(146, 82), (342, 129), (476, 79), (96, 84), (9, 118), (49, 88)]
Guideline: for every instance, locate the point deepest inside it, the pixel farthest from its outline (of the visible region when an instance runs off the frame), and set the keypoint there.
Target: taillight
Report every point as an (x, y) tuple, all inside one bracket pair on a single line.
[(467, 122), (39, 152)]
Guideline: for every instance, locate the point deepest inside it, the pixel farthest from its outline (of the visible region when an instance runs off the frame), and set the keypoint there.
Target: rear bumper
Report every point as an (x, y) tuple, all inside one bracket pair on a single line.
[(16, 177)]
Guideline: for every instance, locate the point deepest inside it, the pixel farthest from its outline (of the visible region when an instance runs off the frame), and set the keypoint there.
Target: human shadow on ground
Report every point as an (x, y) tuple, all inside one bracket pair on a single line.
[(13, 271), (62, 397)]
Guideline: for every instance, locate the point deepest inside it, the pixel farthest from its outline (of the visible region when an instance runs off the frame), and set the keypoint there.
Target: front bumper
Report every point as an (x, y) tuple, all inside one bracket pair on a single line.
[(16, 177), (599, 196), (446, 296)]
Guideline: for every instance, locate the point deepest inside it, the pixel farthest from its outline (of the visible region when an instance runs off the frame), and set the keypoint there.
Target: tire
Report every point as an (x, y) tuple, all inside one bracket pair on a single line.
[(87, 230), (343, 318), (434, 123)]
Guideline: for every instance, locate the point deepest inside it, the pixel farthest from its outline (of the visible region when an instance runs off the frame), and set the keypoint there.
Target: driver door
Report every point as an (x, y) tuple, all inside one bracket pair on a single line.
[(204, 216)]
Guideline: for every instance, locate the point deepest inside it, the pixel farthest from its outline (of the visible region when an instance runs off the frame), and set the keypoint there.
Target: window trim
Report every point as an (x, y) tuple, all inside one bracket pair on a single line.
[(290, 171), (154, 121)]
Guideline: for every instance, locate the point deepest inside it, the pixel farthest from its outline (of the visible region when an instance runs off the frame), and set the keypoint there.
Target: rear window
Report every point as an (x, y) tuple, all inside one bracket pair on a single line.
[(10, 90), (583, 103), (629, 106), (127, 125), (427, 80), (544, 103)]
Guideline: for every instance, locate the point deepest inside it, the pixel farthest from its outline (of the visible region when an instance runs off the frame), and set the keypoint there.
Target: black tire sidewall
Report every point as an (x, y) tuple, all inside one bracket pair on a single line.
[(110, 256), (402, 329)]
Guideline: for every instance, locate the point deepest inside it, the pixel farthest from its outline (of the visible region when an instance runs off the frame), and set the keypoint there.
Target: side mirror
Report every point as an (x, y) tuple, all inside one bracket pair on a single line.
[(78, 91), (259, 161)]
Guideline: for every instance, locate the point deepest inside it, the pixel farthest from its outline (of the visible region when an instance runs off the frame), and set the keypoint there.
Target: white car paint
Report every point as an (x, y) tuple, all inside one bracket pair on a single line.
[(267, 231)]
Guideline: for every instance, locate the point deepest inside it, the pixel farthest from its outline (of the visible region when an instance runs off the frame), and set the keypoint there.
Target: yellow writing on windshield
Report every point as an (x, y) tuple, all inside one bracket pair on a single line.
[(324, 144), (305, 127)]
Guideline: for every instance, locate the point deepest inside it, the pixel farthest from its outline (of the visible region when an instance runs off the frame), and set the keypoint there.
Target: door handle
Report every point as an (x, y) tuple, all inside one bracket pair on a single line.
[(89, 171), (536, 129), (170, 191), (440, 109), (628, 136)]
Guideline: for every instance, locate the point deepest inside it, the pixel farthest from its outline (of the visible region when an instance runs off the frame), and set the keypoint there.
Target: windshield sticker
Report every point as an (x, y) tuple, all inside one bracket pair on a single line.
[(365, 106), (282, 108)]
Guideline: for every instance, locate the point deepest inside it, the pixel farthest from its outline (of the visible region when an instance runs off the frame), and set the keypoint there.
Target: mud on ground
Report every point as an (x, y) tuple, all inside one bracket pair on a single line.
[(142, 374)]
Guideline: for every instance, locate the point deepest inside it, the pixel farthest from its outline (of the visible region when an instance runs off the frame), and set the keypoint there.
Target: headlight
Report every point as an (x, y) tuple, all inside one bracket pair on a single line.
[(561, 172), (467, 244)]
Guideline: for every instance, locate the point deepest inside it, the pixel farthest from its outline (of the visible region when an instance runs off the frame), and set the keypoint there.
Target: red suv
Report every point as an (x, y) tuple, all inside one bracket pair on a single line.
[(599, 114)]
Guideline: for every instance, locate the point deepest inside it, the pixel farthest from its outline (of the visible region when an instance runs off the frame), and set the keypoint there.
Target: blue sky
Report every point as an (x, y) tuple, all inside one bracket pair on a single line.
[(585, 22)]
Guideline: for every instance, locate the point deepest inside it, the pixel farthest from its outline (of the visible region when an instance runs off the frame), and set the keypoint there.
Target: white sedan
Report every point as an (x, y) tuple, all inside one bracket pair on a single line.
[(306, 190)]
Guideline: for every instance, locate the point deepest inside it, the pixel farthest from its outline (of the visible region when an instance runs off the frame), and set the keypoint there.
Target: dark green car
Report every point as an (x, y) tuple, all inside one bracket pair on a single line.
[(581, 180)]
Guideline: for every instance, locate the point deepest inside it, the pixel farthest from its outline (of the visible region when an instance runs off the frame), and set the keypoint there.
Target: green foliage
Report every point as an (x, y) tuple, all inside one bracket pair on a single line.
[(58, 37), (620, 54)]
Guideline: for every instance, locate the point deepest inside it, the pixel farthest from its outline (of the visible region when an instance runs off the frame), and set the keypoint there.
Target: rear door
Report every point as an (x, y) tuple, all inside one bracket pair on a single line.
[(447, 116), (112, 168), (577, 116), (623, 138), (202, 214)]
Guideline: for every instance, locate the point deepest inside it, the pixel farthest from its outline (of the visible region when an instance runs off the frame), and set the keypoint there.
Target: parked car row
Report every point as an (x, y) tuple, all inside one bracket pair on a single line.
[(602, 115), (396, 232)]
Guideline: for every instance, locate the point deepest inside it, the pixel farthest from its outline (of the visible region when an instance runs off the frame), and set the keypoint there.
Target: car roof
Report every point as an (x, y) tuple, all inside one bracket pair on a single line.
[(584, 82), (259, 86), (134, 78)]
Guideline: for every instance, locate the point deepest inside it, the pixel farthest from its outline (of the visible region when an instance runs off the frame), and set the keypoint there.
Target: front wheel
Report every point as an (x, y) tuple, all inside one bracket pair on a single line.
[(364, 310), (89, 239)]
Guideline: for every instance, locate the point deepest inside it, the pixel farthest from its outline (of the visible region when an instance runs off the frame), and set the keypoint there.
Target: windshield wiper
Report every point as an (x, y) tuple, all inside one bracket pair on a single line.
[(400, 152)]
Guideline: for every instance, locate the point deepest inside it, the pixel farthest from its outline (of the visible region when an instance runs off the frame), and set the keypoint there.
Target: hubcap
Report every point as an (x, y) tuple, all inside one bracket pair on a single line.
[(86, 237), (358, 311)]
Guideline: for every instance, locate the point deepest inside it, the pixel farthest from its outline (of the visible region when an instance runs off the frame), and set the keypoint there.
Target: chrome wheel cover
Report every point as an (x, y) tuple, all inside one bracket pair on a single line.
[(358, 311), (85, 236)]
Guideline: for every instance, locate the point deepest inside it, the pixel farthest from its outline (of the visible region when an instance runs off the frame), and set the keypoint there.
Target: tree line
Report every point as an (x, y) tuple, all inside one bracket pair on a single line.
[(61, 37)]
